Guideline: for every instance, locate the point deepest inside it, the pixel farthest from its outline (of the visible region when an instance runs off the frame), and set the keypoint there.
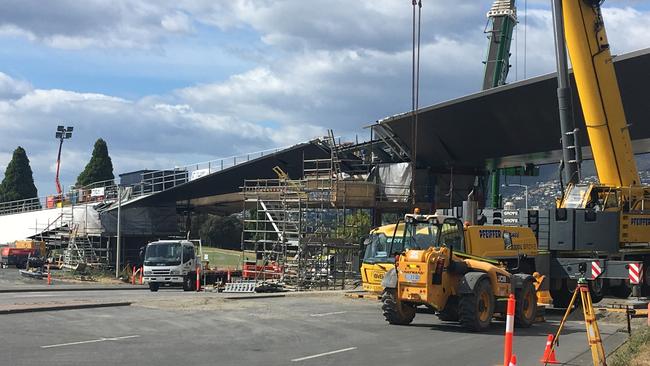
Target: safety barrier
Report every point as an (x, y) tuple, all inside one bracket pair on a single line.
[(135, 272), (510, 325)]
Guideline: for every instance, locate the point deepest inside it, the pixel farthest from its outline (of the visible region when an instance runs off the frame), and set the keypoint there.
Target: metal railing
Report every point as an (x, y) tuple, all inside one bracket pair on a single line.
[(26, 205), (151, 181)]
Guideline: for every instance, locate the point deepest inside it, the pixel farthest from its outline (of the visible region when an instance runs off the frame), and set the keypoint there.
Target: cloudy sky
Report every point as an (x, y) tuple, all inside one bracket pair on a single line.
[(169, 83)]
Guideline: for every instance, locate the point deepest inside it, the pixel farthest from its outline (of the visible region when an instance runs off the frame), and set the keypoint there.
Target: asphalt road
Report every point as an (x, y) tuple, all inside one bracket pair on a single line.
[(176, 328)]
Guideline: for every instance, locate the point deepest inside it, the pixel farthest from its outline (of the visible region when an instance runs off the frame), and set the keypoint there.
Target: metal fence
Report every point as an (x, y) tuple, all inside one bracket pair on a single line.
[(150, 182)]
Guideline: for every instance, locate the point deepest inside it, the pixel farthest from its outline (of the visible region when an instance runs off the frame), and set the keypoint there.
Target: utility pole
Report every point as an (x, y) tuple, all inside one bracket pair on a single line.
[(119, 233), (62, 133)]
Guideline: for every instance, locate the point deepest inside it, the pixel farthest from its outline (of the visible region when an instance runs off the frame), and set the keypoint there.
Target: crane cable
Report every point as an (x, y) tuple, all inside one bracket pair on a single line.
[(415, 87)]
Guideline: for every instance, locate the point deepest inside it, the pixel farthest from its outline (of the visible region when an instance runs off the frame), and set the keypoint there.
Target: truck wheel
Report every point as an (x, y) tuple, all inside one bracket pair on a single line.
[(596, 290), (21, 264), (450, 312), (562, 296), (476, 309), (153, 287), (621, 291), (395, 311), (188, 284), (526, 305)]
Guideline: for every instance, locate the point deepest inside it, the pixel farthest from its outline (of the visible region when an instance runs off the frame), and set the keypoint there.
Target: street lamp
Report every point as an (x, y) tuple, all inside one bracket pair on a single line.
[(62, 133), (520, 186)]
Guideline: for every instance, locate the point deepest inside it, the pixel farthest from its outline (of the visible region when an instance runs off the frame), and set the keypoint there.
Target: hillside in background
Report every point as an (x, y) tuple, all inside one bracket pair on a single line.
[(545, 188)]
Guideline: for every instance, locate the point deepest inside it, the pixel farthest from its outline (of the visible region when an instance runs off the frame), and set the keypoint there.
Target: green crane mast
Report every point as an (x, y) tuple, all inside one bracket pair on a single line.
[(502, 19)]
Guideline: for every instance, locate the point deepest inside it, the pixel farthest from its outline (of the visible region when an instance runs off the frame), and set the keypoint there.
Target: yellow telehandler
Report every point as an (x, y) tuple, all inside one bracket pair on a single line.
[(459, 287), (414, 232)]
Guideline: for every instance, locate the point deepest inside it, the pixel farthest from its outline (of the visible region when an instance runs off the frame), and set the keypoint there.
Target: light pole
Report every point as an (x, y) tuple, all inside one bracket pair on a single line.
[(62, 133), (119, 231), (520, 186)]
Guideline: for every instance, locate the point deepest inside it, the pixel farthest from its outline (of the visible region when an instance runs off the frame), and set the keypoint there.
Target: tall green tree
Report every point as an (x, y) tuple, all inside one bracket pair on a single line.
[(18, 183), (99, 168), (356, 227), (222, 232)]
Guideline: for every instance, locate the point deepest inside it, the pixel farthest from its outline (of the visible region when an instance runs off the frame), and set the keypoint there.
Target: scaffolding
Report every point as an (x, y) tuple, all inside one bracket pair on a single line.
[(297, 228), (76, 245)]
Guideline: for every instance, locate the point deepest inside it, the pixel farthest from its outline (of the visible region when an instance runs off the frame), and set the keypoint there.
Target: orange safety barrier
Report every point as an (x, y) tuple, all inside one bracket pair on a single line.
[(271, 271), (510, 328), (49, 275), (198, 279)]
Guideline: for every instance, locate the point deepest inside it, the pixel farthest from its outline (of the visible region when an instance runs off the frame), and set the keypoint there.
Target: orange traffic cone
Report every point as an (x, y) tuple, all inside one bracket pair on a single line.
[(549, 357), (513, 360)]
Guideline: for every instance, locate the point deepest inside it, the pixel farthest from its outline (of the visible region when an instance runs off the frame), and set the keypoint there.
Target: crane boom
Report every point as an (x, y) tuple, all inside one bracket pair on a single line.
[(503, 18), (599, 93)]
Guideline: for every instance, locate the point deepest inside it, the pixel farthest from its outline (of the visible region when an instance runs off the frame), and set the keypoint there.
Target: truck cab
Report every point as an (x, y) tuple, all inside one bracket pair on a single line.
[(170, 263), (377, 259)]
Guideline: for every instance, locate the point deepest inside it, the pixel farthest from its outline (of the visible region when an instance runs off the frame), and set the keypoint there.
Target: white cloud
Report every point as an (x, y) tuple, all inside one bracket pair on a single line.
[(327, 64), (11, 88), (68, 24), (627, 28), (140, 134), (177, 22)]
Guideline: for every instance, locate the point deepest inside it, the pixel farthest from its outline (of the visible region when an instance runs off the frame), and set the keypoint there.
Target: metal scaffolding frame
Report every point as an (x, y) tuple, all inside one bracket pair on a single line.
[(297, 229)]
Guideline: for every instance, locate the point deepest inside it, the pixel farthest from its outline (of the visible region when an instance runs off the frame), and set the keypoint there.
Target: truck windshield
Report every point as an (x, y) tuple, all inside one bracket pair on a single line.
[(163, 254), (421, 235), (575, 197), (379, 247)]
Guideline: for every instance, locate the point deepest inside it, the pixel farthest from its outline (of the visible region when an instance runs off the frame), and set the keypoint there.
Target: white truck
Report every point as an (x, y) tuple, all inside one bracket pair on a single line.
[(170, 263)]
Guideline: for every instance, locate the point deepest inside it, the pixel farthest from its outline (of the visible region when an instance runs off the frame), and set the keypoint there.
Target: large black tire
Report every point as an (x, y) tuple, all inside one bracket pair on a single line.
[(21, 263), (450, 312), (621, 291), (475, 310), (596, 290), (562, 296), (153, 286), (525, 305), (395, 311), (188, 283)]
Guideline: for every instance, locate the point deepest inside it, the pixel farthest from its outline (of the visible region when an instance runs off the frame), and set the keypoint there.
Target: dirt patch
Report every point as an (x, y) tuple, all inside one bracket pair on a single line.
[(608, 317), (197, 304)]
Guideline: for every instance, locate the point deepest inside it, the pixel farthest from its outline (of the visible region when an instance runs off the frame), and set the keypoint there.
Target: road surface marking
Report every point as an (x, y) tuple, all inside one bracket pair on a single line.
[(326, 314), (38, 295), (323, 354), (91, 341)]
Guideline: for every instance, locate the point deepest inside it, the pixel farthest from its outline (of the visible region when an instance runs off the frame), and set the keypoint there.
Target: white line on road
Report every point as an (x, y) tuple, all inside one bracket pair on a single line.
[(38, 295), (323, 354), (91, 341), (326, 314)]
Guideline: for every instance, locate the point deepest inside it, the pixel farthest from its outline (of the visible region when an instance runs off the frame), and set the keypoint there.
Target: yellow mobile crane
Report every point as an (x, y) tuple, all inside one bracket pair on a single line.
[(598, 231)]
